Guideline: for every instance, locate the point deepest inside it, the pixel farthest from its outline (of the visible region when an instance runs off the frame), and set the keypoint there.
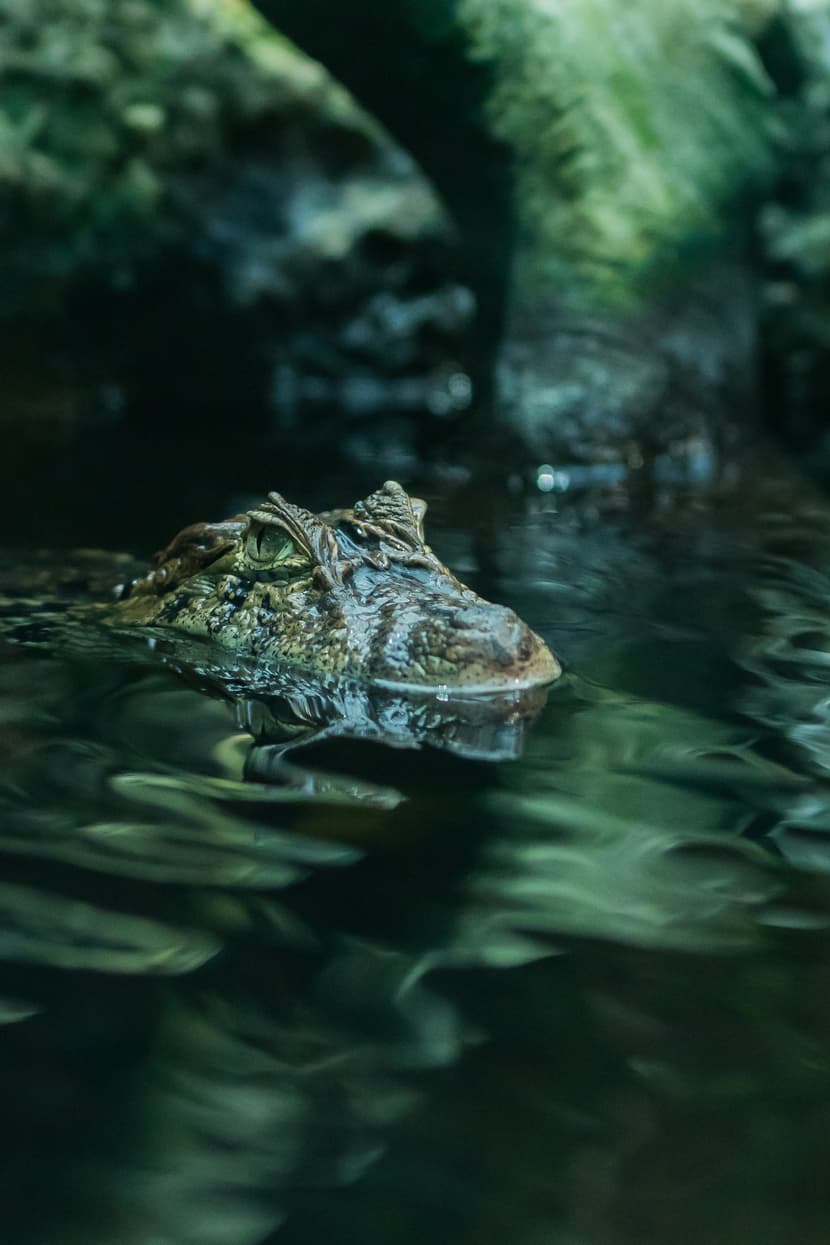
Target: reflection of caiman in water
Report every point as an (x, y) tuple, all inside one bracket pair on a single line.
[(343, 623)]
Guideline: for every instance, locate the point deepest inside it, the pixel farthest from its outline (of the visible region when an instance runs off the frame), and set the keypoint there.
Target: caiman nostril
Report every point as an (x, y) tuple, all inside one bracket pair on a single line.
[(497, 634), (489, 618)]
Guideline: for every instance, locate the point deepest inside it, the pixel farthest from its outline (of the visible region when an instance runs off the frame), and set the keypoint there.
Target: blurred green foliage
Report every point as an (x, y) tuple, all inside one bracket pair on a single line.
[(633, 127), (636, 128), (644, 140), (104, 104)]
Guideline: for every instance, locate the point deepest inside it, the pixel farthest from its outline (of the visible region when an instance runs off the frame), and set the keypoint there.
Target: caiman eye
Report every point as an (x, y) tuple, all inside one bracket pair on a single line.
[(268, 546)]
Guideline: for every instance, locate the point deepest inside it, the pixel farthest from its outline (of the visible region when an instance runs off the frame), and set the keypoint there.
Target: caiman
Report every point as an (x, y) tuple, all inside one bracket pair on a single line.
[(353, 593)]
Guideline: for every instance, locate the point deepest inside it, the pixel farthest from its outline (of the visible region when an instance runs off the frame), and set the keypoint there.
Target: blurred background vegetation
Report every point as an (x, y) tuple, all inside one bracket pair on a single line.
[(197, 216), (114, 114)]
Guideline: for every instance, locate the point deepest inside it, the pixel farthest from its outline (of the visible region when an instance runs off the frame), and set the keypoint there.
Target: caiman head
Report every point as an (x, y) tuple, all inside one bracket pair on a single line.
[(351, 592)]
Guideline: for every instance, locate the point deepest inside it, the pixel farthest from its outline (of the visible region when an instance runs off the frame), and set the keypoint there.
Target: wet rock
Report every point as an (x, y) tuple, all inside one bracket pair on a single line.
[(192, 212)]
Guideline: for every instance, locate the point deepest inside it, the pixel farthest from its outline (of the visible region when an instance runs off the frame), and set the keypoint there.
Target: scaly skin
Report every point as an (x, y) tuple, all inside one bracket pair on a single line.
[(348, 592)]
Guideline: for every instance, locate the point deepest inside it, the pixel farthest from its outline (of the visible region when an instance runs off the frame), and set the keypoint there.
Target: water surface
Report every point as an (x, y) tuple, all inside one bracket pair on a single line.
[(556, 980)]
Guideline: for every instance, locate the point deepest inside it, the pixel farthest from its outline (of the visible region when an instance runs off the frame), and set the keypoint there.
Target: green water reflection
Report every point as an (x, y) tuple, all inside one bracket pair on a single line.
[(328, 968)]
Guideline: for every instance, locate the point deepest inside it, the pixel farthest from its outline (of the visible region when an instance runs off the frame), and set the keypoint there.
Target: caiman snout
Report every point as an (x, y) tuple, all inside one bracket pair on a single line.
[(500, 649), (497, 633)]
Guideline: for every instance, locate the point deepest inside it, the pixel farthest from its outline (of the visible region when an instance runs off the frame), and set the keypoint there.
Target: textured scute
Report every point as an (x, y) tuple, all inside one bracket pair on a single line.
[(351, 592)]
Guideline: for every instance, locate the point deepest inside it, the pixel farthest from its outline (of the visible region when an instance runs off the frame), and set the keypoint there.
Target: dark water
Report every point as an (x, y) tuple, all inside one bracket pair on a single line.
[(361, 993)]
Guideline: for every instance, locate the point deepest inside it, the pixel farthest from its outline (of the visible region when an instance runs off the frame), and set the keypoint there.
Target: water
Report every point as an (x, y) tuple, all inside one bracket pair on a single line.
[(352, 971)]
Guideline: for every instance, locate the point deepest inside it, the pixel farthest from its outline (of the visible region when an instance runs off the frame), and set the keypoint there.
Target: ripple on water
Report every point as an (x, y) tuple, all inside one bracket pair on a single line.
[(375, 971)]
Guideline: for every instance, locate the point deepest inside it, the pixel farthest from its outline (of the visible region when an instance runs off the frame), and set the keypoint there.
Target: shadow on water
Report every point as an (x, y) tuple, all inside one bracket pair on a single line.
[(331, 965)]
